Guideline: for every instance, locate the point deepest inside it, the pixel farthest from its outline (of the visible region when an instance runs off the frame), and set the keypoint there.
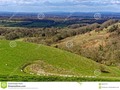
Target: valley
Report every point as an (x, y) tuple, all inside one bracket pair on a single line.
[(56, 48)]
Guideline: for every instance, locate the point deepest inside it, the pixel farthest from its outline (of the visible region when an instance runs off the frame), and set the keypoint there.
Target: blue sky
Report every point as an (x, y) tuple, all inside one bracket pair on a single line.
[(60, 5)]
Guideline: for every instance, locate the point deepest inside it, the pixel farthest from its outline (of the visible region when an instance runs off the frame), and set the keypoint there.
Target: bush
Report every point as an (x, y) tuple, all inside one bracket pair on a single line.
[(113, 28), (11, 36)]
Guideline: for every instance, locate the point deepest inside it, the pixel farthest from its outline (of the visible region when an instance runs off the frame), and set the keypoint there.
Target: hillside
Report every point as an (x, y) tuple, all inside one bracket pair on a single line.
[(101, 46), (27, 59)]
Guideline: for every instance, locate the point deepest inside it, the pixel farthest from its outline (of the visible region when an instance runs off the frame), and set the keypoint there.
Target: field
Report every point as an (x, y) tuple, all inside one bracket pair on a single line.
[(18, 59)]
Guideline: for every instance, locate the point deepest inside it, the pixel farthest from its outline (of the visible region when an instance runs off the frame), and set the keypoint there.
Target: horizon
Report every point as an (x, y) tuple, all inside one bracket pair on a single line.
[(57, 12)]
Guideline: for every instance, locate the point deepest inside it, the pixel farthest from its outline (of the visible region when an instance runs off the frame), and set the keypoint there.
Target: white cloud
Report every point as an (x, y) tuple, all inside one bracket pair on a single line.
[(15, 2), (56, 5), (60, 2)]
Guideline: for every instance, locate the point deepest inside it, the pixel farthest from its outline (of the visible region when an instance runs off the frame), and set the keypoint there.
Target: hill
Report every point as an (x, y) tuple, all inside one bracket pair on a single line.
[(22, 61), (101, 46)]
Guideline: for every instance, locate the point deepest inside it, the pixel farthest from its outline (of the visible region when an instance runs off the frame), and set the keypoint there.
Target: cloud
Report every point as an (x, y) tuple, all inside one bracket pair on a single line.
[(85, 2), (20, 2), (60, 2), (60, 5)]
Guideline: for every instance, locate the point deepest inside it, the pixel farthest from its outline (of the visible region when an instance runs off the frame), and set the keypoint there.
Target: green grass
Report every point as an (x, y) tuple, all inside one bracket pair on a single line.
[(12, 60), (54, 78)]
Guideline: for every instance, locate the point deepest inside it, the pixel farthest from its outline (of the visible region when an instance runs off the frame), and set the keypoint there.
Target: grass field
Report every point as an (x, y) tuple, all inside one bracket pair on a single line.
[(20, 61)]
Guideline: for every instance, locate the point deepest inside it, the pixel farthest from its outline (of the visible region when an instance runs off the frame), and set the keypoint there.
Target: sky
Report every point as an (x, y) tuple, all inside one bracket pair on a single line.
[(60, 5)]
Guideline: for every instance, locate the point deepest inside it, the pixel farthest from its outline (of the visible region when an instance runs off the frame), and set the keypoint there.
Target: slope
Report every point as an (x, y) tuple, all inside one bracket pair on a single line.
[(17, 57)]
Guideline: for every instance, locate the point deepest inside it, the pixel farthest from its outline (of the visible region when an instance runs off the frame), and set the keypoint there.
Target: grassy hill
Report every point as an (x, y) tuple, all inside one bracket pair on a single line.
[(32, 62)]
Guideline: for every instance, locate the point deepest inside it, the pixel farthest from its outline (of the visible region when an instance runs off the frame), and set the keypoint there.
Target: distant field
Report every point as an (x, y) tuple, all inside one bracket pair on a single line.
[(46, 23), (21, 63)]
